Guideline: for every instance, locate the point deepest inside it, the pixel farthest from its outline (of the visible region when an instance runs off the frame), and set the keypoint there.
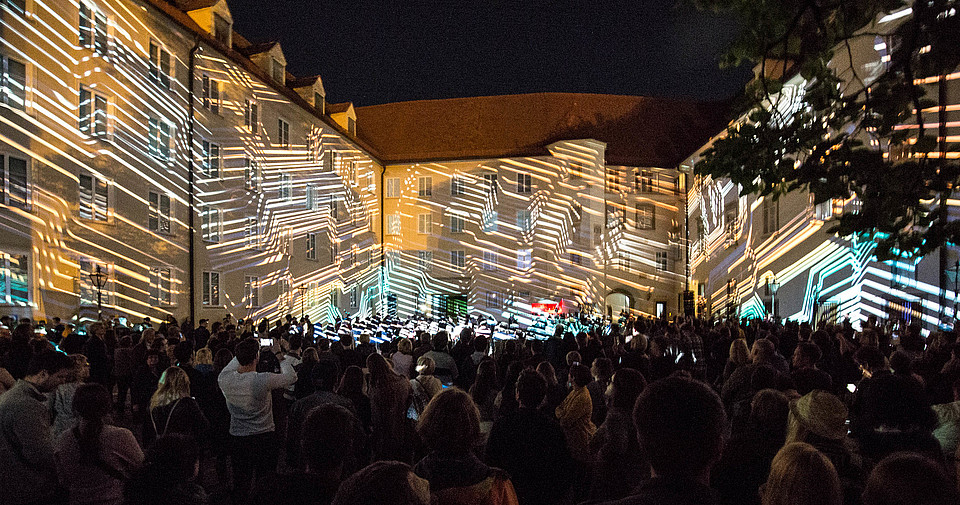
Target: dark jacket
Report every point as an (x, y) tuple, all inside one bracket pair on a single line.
[(182, 416)]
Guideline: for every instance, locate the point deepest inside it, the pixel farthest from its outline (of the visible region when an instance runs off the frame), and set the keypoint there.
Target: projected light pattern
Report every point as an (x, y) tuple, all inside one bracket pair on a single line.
[(504, 234), (740, 246), (95, 153)]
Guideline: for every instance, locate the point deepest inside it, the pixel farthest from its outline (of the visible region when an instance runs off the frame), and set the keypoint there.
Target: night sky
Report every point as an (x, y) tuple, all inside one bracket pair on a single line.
[(372, 52)]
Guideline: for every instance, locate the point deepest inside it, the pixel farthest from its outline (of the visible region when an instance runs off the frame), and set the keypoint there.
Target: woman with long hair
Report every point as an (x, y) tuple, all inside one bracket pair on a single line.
[(61, 400), (351, 388), (389, 399), (424, 386), (172, 410), (94, 459), (556, 392), (799, 475), (484, 392)]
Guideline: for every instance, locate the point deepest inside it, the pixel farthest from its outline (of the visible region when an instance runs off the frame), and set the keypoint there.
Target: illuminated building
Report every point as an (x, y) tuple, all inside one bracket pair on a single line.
[(128, 123), (748, 254)]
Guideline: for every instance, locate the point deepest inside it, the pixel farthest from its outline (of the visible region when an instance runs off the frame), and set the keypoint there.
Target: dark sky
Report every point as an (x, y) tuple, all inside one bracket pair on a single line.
[(372, 52)]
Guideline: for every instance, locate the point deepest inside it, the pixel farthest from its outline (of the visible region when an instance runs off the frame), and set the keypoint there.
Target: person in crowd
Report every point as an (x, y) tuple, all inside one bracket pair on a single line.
[(484, 392), (424, 386), (325, 381), (909, 479), (398, 485), (506, 402), (173, 410), (618, 464), (745, 463), (446, 366), (201, 334), (602, 372), (681, 427), (740, 385), (145, 381), (95, 349), (739, 355), (351, 388), (248, 393), (450, 429), (26, 444), (574, 414), (123, 368), (556, 392), (948, 422), (219, 417), (61, 399), (805, 374), (304, 385), (389, 401), (95, 459), (168, 475), (332, 443), (6, 381), (801, 475), (403, 358), (183, 355), (529, 445), (203, 361)]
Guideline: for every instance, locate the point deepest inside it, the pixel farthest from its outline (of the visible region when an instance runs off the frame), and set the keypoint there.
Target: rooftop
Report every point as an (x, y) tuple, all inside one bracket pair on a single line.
[(638, 131)]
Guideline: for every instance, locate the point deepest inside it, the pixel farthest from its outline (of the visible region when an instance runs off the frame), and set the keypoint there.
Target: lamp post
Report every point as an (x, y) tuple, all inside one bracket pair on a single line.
[(302, 289), (99, 280), (774, 286)]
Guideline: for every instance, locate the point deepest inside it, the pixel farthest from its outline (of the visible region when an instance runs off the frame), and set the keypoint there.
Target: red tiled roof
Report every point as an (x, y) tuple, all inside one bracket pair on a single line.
[(638, 131)]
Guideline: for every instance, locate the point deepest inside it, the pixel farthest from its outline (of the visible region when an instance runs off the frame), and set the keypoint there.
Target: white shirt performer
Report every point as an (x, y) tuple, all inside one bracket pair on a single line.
[(249, 400)]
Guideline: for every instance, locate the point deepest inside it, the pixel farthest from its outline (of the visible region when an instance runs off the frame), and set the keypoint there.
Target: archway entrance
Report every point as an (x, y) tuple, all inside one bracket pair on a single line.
[(616, 301)]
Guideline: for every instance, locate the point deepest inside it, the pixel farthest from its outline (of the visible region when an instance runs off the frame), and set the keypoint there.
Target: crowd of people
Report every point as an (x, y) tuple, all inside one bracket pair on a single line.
[(626, 411)]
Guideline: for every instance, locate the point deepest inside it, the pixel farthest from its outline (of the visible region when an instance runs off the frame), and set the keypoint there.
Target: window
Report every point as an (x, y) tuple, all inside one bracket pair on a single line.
[(456, 224), (458, 259), (211, 224), (393, 224), (312, 196), (93, 113), (211, 159), (524, 259), (493, 300), (93, 29), (646, 216), (94, 198), (393, 187), (328, 162), (524, 221), (623, 261), (14, 279), (458, 186), (524, 183), (771, 215), (645, 181), (425, 261), (252, 174), (210, 93), (14, 83), (159, 139), (490, 260), (211, 288), (824, 210), (613, 179), (159, 220), (221, 30), (161, 286), (283, 133), (490, 183), (311, 246), (613, 215), (160, 67), (332, 207), (662, 265), (334, 252), (425, 224), (318, 102), (285, 188), (251, 232), (251, 116), (425, 186), (277, 71), (576, 258), (251, 291), (490, 221), (15, 188)]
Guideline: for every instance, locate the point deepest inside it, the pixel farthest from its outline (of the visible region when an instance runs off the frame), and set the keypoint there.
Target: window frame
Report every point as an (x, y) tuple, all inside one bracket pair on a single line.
[(251, 115), (211, 230), (210, 290), (6, 184), (394, 184), (524, 183), (6, 87), (8, 281), (211, 94), (311, 245), (524, 225), (94, 209), (156, 146), (662, 261), (425, 260), (251, 291), (491, 261), (458, 259), (283, 133), (159, 296), (96, 35), (252, 174), (155, 212), (394, 224), (458, 185), (425, 223), (642, 221), (491, 221), (92, 128), (457, 224), (424, 186), (209, 158), (285, 187), (524, 259), (160, 76)]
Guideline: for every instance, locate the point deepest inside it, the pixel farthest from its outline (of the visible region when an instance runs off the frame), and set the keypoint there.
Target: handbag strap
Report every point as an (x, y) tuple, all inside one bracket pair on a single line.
[(166, 424)]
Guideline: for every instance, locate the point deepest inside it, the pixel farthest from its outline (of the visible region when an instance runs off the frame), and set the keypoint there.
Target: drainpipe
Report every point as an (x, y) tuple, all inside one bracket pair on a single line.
[(191, 184), (383, 256)]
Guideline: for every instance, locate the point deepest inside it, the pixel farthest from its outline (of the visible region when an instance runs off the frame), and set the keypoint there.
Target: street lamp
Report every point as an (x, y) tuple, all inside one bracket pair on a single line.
[(99, 280), (774, 286), (302, 289)]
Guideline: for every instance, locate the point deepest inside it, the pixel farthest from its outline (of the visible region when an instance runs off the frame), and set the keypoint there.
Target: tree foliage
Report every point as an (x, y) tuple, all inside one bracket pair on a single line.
[(832, 141)]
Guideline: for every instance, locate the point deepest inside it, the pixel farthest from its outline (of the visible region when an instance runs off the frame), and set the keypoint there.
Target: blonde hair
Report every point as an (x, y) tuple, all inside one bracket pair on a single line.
[(174, 384), (426, 365), (800, 474), (204, 356), (739, 353), (405, 346)]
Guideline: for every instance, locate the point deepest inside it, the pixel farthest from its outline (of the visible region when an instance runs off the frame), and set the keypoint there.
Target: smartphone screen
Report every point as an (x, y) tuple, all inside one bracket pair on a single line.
[(852, 388), (266, 342)]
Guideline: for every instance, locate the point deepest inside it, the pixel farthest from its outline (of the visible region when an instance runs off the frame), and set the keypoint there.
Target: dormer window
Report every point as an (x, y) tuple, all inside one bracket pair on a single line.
[(221, 29), (278, 71), (318, 102)]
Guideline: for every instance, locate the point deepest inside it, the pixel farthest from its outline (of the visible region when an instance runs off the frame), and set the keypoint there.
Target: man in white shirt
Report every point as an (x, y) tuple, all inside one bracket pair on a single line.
[(255, 442)]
